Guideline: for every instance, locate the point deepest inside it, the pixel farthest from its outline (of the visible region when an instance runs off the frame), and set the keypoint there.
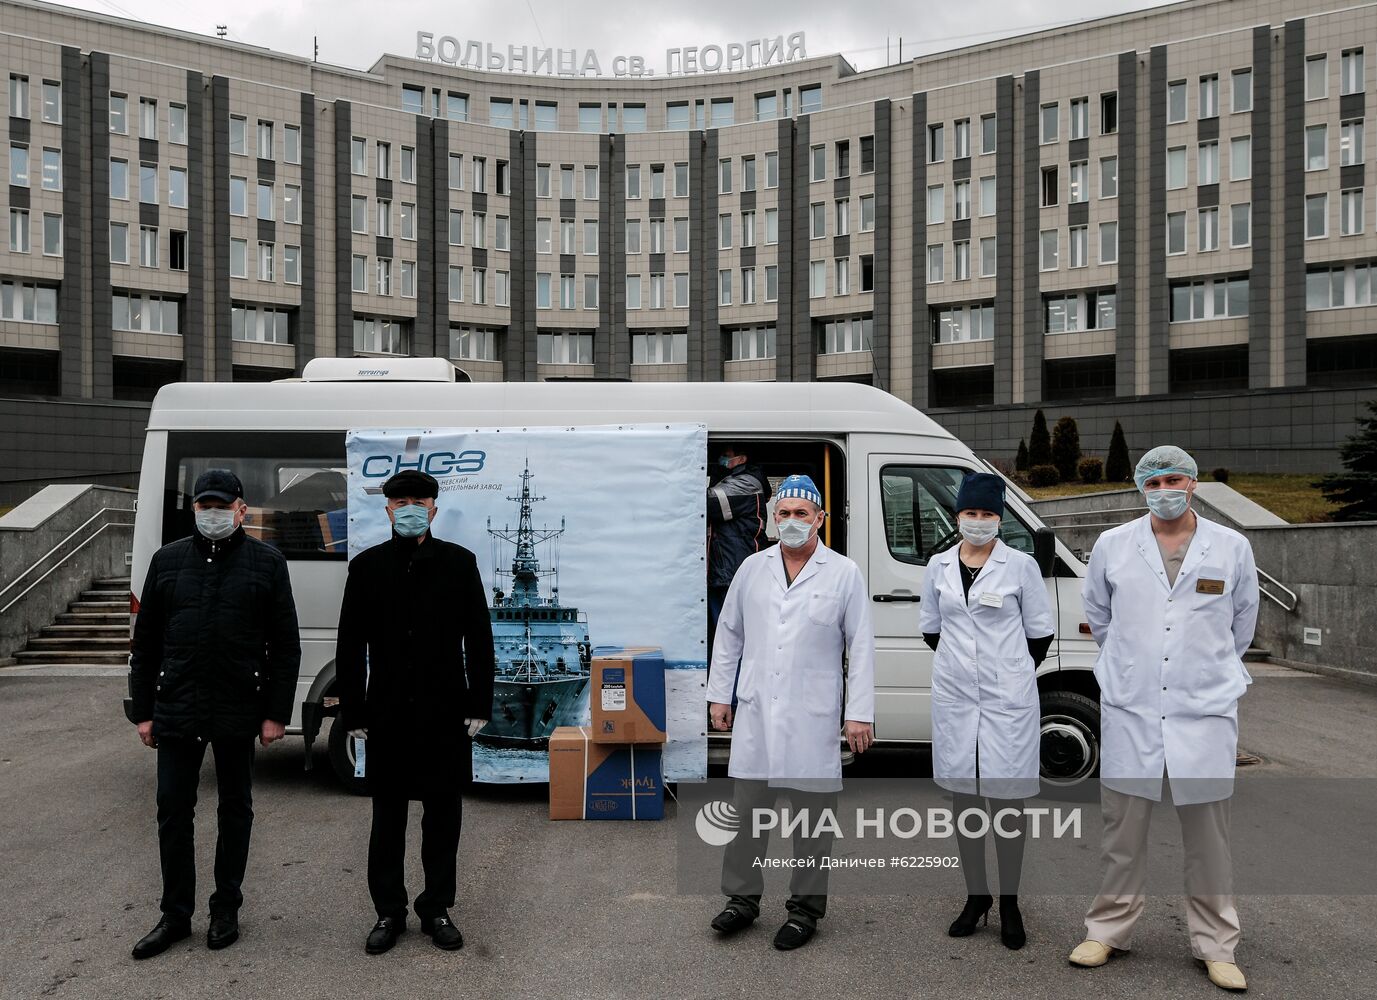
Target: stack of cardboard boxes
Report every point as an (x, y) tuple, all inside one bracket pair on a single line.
[(610, 769)]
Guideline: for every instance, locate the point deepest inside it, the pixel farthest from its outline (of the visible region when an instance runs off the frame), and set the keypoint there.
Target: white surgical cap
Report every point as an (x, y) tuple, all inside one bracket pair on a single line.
[(1164, 460)]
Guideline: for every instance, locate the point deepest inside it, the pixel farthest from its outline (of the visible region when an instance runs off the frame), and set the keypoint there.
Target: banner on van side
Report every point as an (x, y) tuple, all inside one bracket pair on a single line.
[(586, 537)]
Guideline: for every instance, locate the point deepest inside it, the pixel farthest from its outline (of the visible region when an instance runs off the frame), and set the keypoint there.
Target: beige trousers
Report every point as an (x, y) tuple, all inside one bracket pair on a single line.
[(1210, 912)]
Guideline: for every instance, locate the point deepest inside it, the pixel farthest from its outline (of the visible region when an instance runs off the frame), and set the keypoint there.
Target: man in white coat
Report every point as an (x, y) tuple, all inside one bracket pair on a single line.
[(790, 614), (1172, 600)]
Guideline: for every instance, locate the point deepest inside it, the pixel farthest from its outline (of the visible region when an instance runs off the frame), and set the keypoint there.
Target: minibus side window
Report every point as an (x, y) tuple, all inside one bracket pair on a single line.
[(919, 504)]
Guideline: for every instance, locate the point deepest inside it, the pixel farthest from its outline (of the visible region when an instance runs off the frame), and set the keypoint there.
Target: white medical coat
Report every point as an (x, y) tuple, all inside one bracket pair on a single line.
[(1170, 667), (789, 640), (984, 681)]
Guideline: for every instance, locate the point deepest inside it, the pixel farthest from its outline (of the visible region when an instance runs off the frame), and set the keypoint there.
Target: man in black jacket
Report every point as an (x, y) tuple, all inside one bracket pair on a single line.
[(414, 664), (736, 524), (214, 661)]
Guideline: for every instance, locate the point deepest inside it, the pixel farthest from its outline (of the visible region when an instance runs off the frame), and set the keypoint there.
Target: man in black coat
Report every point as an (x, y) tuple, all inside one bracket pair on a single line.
[(736, 524), (214, 661), (414, 664)]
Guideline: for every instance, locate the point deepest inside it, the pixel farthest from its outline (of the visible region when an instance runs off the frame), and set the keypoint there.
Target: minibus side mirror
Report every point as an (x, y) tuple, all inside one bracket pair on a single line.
[(1045, 550)]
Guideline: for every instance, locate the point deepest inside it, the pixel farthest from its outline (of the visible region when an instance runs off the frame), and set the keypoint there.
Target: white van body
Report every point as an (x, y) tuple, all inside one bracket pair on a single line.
[(865, 432)]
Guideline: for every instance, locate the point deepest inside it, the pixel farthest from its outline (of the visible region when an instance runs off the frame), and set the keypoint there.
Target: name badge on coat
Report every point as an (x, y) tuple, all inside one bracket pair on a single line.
[(1203, 586), (992, 600)]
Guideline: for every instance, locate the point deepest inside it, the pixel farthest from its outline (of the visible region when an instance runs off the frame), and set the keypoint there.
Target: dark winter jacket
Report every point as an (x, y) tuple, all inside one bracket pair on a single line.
[(413, 660), (736, 521), (216, 648)]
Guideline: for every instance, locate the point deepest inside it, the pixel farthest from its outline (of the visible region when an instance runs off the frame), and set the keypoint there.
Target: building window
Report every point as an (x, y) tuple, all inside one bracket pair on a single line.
[(817, 279), (633, 118), (358, 275), (177, 249), (817, 224), (960, 141), (1077, 245), (291, 266), (480, 286), (633, 236), (384, 160), (52, 235), (590, 117), (961, 260), (747, 175), (841, 278), (1214, 298), (384, 276), (119, 111), (771, 228), (259, 324), (148, 246), (1351, 212), (1339, 286), (52, 104), (238, 140), (502, 288), (989, 134), (657, 290), (1050, 123), (1080, 117), (19, 164), (19, 96), (1351, 71), (963, 324), (771, 171), (1209, 96), (590, 236), (842, 213), (937, 201), (657, 181), (25, 302), (1176, 102), (238, 195), (143, 313), (1078, 190), (1109, 113), (747, 232), (376, 335), (148, 118), (265, 142), (1316, 216), (265, 202), (681, 234), (666, 348), (457, 107), (500, 113), (724, 287), (291, 146), (239, 259), (633, 291), (564, 348), (1050, 187), (1176, 168), (1109, 242), (1207, 163), (817, 159), (867, 154), (566, 181), (358, 157), (809, 99), (681, 291), (358, 214), (1350, 142), (750, 343), (1079, 311), (936, 264), (456, 285), (1176, 232), (989, 257), (566, 236), (1109, 177), (1049, 250), (867, 272), (1241, 224), (1241, 87), (502, 233), (766, 107), (456, 230), (1207, 229), (590, 183), (177, 187), (847, 335), (266, 269), (480, 231), (771, 283), (1241, 158), (723, 112), (867, 213), (988, 196), (542, 180), (1316, 77), (119, 182), (148, 183), (936, 143), (677, 115), (681, 178), (119, 238), (472, 343), (633, 181)]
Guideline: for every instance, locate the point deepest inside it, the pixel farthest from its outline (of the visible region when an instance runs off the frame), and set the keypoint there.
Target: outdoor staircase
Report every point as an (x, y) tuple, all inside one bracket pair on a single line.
[(94, 631)]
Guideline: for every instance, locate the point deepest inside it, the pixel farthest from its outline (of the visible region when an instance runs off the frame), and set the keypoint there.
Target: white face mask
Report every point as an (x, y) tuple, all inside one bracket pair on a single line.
[(1168, 504), (978, 531), (794, 533), (216, 523)]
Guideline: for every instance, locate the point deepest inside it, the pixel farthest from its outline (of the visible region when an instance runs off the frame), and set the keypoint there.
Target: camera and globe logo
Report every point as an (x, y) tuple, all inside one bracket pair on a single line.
[(717, 823)]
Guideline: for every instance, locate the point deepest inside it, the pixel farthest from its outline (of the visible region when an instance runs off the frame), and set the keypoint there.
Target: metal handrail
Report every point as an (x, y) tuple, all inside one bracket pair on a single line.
[(39, 561), (1269, 578)]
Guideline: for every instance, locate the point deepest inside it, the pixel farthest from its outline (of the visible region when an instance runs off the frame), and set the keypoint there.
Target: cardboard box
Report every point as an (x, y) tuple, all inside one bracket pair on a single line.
[(627, 703), (596, 781)]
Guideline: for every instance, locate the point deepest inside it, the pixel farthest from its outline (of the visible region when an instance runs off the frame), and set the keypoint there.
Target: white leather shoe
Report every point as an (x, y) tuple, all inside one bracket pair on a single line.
[(1090, 954), (1226, 975)]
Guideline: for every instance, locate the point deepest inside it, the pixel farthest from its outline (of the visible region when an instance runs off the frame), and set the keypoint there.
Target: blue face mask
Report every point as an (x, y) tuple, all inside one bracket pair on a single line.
[(1168, 504), (411, 521), (725, 462)]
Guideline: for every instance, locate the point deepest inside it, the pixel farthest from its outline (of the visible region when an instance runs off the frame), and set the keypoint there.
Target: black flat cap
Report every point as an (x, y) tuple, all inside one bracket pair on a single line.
[(411, 483), (219, 483)]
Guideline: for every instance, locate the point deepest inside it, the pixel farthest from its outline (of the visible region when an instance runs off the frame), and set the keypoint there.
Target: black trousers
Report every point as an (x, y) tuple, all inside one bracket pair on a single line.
[(179, 774), (440, 821), (1008, 850), (743, 876)]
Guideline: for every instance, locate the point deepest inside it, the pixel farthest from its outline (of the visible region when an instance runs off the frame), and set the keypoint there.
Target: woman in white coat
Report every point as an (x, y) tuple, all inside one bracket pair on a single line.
[(986, 615)]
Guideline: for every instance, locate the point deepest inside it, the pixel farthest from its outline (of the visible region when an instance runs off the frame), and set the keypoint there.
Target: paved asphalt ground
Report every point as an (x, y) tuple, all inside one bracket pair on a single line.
[(573, 910)]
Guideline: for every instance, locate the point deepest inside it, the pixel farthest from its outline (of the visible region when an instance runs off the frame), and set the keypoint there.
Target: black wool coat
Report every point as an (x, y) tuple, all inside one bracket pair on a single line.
[(413, 660), (216, 648)]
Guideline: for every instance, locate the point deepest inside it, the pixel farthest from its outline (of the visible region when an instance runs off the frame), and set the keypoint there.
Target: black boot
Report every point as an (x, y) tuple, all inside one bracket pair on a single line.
[(1011, 923), (975, 908)]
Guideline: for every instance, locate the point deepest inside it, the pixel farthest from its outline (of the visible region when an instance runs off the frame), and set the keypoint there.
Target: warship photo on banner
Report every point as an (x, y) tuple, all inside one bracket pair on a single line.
[(585, 537)]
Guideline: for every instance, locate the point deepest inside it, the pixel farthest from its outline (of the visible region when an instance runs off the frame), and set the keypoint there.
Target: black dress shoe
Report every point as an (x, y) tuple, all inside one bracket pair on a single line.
[(160, 938), (793, 935), (976, 907), (443, 932), (384, 934), (222, 933), (731, 920), (1011, 923)]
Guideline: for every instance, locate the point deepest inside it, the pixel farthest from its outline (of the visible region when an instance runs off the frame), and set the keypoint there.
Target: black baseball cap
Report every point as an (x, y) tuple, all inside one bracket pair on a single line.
[(219, 483), (411, 483)]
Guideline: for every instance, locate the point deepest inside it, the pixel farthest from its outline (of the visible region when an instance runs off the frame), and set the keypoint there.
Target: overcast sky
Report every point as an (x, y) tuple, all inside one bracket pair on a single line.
[(355, 33)]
